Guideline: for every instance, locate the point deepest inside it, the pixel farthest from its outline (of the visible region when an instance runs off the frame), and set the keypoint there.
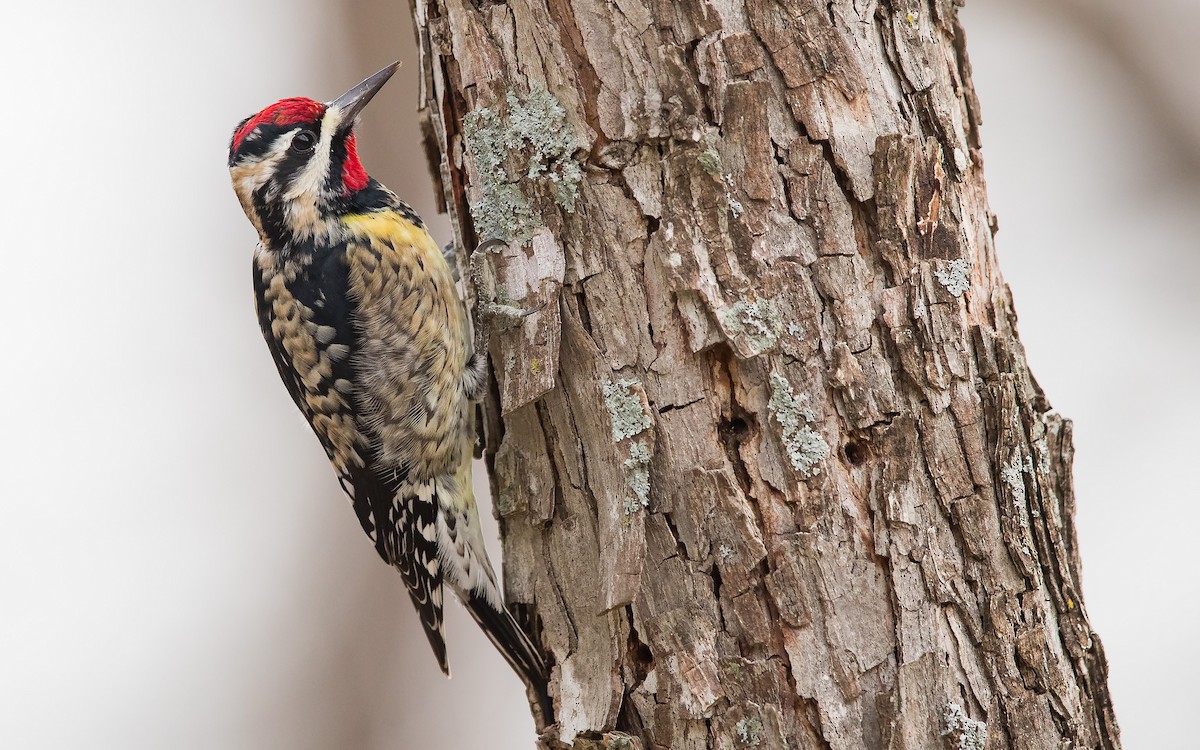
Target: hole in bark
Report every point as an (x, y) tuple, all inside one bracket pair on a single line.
[(737, 425), (644, 659), (641, 659), (585, 318), (652, 225), (856, 453), (716, 576), (733, 432), (737, 428)]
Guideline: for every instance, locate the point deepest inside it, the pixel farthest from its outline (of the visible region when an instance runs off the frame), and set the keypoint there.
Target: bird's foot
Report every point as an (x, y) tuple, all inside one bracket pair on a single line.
[(494, 311), (493, 308)]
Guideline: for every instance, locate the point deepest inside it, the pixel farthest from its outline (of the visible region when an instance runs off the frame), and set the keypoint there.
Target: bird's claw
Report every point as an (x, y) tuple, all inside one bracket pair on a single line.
[(491, 310), (504, 316), (497, 310), (478, 260)]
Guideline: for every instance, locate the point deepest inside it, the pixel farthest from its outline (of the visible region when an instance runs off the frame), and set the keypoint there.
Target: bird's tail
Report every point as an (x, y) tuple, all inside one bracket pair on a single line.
[(469, 573), (517, 649), (409, 543)]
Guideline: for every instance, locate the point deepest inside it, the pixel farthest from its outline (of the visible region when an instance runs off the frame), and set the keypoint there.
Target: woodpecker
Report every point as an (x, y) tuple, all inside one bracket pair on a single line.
[(360, 311)]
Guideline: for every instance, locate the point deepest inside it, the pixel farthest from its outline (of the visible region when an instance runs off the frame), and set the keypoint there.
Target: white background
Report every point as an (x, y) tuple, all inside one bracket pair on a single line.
[(177, 567)]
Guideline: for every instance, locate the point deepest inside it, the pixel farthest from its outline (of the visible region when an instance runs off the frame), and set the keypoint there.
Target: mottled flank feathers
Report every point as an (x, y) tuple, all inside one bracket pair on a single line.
[(363, 320)]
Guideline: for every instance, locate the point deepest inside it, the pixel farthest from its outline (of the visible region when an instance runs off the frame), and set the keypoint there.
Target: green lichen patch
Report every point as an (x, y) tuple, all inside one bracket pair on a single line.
[(756, 322), (534, 138), (710, 161), (805, 447), (964, 732), (956, 277), (626, 410)]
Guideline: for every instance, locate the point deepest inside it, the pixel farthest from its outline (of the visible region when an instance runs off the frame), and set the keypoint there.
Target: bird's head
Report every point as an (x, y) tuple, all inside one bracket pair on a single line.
[(294, 165)]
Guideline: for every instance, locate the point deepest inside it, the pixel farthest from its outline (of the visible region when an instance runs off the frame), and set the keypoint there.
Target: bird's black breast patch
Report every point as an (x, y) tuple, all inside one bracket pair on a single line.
[(303, 310)]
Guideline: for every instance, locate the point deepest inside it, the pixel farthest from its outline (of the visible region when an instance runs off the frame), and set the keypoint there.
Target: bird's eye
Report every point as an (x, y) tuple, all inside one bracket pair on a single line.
[(304, 141)]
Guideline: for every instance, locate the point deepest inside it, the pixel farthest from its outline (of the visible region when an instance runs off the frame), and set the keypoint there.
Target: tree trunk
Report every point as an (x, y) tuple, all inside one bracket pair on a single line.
[(771, 467)]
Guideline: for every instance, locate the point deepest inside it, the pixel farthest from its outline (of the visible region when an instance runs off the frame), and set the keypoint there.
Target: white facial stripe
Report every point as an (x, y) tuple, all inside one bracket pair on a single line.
[(312, 178)]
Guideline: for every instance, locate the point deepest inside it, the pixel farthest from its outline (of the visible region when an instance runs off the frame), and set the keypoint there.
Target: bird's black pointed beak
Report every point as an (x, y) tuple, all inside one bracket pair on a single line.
[(352, 102)]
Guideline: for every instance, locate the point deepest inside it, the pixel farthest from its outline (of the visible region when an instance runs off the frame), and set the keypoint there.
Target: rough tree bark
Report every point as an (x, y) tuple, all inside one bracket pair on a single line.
[(771, 466)]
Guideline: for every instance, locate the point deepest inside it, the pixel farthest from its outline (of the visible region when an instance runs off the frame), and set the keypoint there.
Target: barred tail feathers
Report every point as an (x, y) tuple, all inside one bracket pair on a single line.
[(434, 630), (416, 556)]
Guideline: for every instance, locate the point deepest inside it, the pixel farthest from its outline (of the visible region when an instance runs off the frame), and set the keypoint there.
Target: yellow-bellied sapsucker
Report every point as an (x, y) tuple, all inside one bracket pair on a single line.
[(361, 314)]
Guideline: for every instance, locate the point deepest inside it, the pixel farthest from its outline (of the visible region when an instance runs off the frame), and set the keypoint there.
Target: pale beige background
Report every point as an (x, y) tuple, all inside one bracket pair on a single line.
[(177, 567)]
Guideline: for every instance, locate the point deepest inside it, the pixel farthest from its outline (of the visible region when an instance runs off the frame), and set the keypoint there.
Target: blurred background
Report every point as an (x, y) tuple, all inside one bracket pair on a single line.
[(178, 568)]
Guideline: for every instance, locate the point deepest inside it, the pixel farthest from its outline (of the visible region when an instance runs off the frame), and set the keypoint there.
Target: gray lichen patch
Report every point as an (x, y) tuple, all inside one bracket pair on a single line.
[(755, 324), (533, 137), (805, 447), (637, 477), (626, 410), (956, 277), (629, 415), (1042, 448), (1013, 477), (735, 206), (962, 732), (619, 741), (749, 732), (540, 122), (710, 161)]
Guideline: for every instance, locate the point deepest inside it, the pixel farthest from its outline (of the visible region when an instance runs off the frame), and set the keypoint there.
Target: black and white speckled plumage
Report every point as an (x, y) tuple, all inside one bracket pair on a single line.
[(363, 320)]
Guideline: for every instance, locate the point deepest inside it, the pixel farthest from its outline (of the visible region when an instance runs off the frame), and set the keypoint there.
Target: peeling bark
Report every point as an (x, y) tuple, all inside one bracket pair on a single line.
[(771, 466)]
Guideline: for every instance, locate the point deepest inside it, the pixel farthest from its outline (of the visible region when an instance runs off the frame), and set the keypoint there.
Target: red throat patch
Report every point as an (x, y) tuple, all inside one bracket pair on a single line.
[(283, 112), (354, 176)]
